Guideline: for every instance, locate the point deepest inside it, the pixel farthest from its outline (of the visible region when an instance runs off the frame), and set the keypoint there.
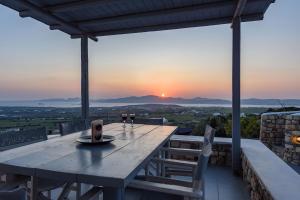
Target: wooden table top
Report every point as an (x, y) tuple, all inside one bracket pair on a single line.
[(112, 165)]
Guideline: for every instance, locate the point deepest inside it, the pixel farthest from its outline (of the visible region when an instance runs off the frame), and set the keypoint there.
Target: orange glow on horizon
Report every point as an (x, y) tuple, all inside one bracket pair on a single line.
[(162, 95)]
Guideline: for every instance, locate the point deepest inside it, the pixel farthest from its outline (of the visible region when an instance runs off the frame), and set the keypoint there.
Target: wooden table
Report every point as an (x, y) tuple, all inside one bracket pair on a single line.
[(112, 166)]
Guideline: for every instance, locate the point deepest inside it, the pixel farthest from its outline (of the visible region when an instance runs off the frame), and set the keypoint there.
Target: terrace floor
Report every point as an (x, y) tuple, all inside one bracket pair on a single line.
[(221, 184), (295, 167)]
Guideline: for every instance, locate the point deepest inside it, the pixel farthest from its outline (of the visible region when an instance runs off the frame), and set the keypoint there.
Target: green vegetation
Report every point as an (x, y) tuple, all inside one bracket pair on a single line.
[(193, 118), (49, 124), (250, 126)]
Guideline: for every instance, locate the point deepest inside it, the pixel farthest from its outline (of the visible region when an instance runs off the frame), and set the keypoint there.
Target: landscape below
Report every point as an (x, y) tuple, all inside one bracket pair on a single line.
[(266, 132)]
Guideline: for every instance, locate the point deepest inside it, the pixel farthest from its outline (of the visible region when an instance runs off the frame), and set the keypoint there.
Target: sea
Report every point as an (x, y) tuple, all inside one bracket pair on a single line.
[(68, 104)]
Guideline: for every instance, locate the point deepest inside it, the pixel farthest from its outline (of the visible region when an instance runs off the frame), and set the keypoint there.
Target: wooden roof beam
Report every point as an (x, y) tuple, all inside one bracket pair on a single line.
[(79, 4), (174, 25), (239, 9), (31, 8), (156, 13)]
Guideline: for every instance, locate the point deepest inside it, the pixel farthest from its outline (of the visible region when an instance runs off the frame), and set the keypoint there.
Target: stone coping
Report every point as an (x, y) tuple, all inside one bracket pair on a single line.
[(197, 139), (296, 114), (281, 113), (279, 179), (294, 132)]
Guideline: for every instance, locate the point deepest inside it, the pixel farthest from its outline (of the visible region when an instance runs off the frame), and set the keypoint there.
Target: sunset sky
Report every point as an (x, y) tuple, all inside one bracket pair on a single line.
[(38, 63)]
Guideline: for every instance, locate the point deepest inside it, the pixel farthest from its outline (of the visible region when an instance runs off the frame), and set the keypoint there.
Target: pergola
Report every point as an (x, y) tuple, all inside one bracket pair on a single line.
[(89, 19)]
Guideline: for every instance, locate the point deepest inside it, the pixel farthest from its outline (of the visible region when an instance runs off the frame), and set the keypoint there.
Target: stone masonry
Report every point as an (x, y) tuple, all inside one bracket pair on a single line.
[(276, 131), (292, 128), (221, 154), (255, 186)]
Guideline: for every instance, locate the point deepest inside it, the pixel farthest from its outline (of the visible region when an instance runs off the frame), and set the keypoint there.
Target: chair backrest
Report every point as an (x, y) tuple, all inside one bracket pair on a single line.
[(66, 128), (149, 121), (17, 193), (13, 139), (198, 178)]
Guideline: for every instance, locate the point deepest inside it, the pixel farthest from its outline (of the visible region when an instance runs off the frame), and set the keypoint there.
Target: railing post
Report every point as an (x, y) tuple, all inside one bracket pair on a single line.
[(236, 96), (84, 80)]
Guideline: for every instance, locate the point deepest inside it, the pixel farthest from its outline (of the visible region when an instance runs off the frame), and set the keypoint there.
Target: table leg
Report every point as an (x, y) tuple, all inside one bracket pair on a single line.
[(78, 190), (34, 188), (110, 193)]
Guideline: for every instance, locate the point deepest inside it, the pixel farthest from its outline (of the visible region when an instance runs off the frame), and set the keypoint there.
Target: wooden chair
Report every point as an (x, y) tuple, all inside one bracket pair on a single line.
[(149, 121), (12, 186), (66, 128), (18, 193), (9, 183), (161, 187), (45, 186)]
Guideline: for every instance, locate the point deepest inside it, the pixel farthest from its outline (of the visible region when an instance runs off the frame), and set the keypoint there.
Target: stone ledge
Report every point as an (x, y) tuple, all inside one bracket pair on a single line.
[(268, 176), (199, 139), (280, 113), (277, 179)]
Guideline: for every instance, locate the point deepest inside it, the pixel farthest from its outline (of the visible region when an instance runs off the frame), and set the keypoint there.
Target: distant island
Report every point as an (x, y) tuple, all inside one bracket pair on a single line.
[(152, 99), (179, 100), (158, 99)]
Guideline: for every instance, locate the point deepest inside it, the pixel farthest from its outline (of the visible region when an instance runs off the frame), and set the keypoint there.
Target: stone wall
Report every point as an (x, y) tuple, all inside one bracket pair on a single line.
[(276, 131), (292, 128), (272, 128), (255, 186), (221, 154)]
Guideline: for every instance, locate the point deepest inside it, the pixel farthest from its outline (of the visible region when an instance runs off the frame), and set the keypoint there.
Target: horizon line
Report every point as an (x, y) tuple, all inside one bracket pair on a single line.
[(104, 98)]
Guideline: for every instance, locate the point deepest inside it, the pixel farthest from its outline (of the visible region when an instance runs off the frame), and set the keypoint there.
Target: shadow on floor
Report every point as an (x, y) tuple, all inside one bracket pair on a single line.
[(221, 184), (295, 167)]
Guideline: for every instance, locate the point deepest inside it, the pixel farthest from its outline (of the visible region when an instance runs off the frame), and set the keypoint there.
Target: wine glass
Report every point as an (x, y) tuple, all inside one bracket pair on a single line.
[(124, 118), (132, 117)]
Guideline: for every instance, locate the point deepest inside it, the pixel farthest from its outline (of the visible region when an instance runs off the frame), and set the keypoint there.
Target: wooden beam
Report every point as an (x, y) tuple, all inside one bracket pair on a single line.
[(159, 13), (91, 193), (156, 13), (239, 9), (34, 187), (25, 13), (33, 9), (55, 26), (236, 95), (81, 4), (161, 27)]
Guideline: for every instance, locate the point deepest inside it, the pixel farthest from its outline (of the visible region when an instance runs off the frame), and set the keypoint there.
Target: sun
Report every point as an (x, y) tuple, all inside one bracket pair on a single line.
[(162, 95)]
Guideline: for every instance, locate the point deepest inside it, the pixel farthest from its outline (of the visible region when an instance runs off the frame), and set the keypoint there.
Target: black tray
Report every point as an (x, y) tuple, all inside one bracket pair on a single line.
[(88, 139)]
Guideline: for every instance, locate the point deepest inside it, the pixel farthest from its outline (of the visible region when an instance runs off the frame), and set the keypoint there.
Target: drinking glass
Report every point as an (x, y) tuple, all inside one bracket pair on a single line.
[(132, 117), (124, 118)]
